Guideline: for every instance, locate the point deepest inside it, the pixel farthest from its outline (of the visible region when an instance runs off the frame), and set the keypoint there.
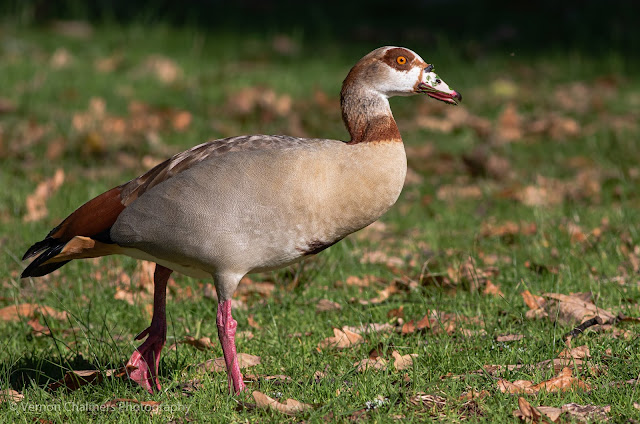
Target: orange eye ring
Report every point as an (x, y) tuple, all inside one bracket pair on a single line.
[(401, 60)]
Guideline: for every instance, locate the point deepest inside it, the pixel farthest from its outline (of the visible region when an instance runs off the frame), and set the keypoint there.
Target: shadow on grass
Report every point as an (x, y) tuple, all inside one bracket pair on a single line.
[(41, 367)]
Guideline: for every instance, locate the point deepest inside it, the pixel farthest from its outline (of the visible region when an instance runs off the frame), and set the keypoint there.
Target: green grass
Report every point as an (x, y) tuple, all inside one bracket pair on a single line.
[(432, 231)]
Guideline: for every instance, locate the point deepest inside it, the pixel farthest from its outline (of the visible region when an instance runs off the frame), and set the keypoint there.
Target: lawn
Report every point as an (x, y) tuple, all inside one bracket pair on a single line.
[(516, 201)]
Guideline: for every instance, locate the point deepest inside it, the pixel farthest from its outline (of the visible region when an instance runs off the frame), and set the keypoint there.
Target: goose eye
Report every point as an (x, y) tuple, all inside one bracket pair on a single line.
[(401, 60)]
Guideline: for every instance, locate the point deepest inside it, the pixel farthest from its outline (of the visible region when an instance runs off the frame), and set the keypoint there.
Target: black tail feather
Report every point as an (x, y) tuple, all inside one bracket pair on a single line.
[(49, 247), (39, 247), (41, 270)]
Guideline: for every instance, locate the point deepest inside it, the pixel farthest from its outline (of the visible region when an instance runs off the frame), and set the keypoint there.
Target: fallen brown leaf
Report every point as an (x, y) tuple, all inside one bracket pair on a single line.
[(532, 301), (473, 394), (203, 343), (509, 125), (587, 413), (341, 339), (579, 352), (560, 383), (428, 401), (491, 289), (325, 305), (75, 379), (36, 203), (290, 407), (365, 281), (245, 360), (368, 363), (252, 322), (10, 395), (508, 229), (371, 328), (452, 193), (575, 308), (31, 311), (408, 327), (380, 257), (509, 338), (164, 69), (39, 329), (396, 313), (402, 362), (526, 412)]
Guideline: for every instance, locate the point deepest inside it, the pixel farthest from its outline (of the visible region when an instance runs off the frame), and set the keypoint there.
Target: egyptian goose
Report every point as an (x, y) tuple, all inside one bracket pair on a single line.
[(251, 203)]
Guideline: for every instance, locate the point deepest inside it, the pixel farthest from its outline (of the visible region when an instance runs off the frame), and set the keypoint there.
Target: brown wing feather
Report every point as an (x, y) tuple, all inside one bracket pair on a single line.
[(94, 217)]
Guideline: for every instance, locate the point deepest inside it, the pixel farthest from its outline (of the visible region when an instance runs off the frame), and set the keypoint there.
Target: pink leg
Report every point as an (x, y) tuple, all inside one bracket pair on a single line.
[(227, 334), (147, 357)]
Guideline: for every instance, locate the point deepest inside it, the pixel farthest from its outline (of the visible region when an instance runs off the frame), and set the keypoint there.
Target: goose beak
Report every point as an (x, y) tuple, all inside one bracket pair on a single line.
[(433, 86)]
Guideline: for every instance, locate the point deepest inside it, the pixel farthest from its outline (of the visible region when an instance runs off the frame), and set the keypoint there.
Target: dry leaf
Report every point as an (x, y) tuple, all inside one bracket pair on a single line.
[(532, 301), (575, 308), (30, 311), (579, 352), (341, 339), (452, 193), (508, 229), (518, 386), (38, 329), (10, 395), (396, 313), (325, 305), (181, 120), (428, 401), (509, 127), (402, 362), (245, 334), (163, 68), (36, 202), (61, 58), (491, 289), (290, 407), (203, 343), (354, 280), (590, 413), (252, 322), (245, 360), (560, 383), (509, 338), (473, 394), (367, 363), (408, 327), (371, 328), (526, 412), (73, 380), (380, 257), (383, 295)]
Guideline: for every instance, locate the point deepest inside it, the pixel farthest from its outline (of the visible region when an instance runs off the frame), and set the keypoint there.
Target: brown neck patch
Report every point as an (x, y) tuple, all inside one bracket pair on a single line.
[(381, 128), (366, 115)]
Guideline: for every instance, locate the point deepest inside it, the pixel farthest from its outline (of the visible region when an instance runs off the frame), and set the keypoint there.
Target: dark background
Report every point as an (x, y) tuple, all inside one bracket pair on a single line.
[(591, 26)]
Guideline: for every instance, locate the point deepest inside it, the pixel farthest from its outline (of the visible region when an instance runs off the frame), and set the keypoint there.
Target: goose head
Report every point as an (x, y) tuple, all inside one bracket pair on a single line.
[(397, 71)]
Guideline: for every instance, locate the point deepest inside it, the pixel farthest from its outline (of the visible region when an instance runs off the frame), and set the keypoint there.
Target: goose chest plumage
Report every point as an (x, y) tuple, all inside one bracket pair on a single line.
[(252, 203)]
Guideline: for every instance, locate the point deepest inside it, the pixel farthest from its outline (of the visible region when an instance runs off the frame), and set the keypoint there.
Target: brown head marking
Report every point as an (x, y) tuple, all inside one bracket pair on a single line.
[(399, 58)]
